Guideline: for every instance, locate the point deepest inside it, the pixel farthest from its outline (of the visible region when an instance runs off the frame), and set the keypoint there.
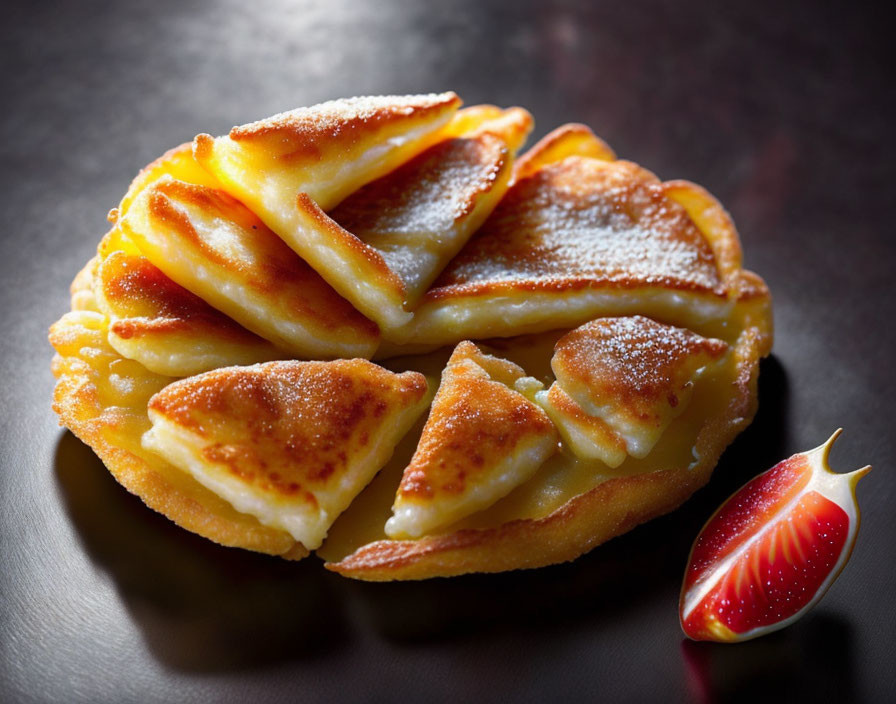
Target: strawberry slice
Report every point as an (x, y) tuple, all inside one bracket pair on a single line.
[(772, 550)]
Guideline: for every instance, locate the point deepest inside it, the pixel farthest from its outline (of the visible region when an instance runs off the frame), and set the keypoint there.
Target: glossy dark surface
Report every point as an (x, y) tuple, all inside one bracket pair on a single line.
[(784, 112)]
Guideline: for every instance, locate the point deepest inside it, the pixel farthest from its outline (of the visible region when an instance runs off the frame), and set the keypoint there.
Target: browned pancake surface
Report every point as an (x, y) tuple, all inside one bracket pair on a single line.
[(584, 222), (338, 124), (426, 195), (303, 418), (633, 360), (476, 421)]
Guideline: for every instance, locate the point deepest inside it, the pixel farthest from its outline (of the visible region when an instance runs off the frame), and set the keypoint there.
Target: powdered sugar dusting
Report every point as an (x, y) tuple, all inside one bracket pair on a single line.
[(630, 357), (592, 222), (335, 116), (411, 215)]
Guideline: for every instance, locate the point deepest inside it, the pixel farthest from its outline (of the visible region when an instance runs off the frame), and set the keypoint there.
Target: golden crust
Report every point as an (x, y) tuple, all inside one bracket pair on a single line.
[(143, 300), (610, 509), (111, 416), (482, 438), (304, 417), (339, 124), (567, 140), (289, 442), (202, 237)]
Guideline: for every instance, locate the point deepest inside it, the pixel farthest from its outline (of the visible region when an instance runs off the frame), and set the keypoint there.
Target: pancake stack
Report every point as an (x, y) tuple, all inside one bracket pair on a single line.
[(562, 345)]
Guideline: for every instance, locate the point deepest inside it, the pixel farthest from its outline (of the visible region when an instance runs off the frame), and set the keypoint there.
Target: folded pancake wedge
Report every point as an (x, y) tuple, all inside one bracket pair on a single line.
[(581, 238), (570, 505), (384, 244), (166, 328), (213, 246), (624, 378), (482, 439), (291, 443), (326, 150), (412, 221), (101, 397)]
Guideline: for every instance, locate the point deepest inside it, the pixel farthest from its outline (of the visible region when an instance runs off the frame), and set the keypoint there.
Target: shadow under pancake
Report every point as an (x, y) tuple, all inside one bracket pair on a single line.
[(200, 606), (599, 587), (810, 660)]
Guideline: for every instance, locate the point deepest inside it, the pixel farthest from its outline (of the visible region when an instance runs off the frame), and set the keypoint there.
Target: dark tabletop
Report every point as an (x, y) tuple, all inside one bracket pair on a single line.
[(785, 112)]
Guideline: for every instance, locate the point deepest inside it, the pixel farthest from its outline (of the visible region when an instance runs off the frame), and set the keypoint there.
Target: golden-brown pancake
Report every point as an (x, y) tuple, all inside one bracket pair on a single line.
[(166, 328), (291, 443), (584, 237), (347, 229), (624, 378), (102, 398), (482, 439), (215, 247)]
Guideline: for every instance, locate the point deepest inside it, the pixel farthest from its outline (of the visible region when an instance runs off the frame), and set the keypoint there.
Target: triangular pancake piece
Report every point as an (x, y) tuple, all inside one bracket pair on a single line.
[(166, 328), (627, 377), (482, 439), (102, 399), (291, 443), (398, 232), (326, 150), (212, 245), (578, 238)]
